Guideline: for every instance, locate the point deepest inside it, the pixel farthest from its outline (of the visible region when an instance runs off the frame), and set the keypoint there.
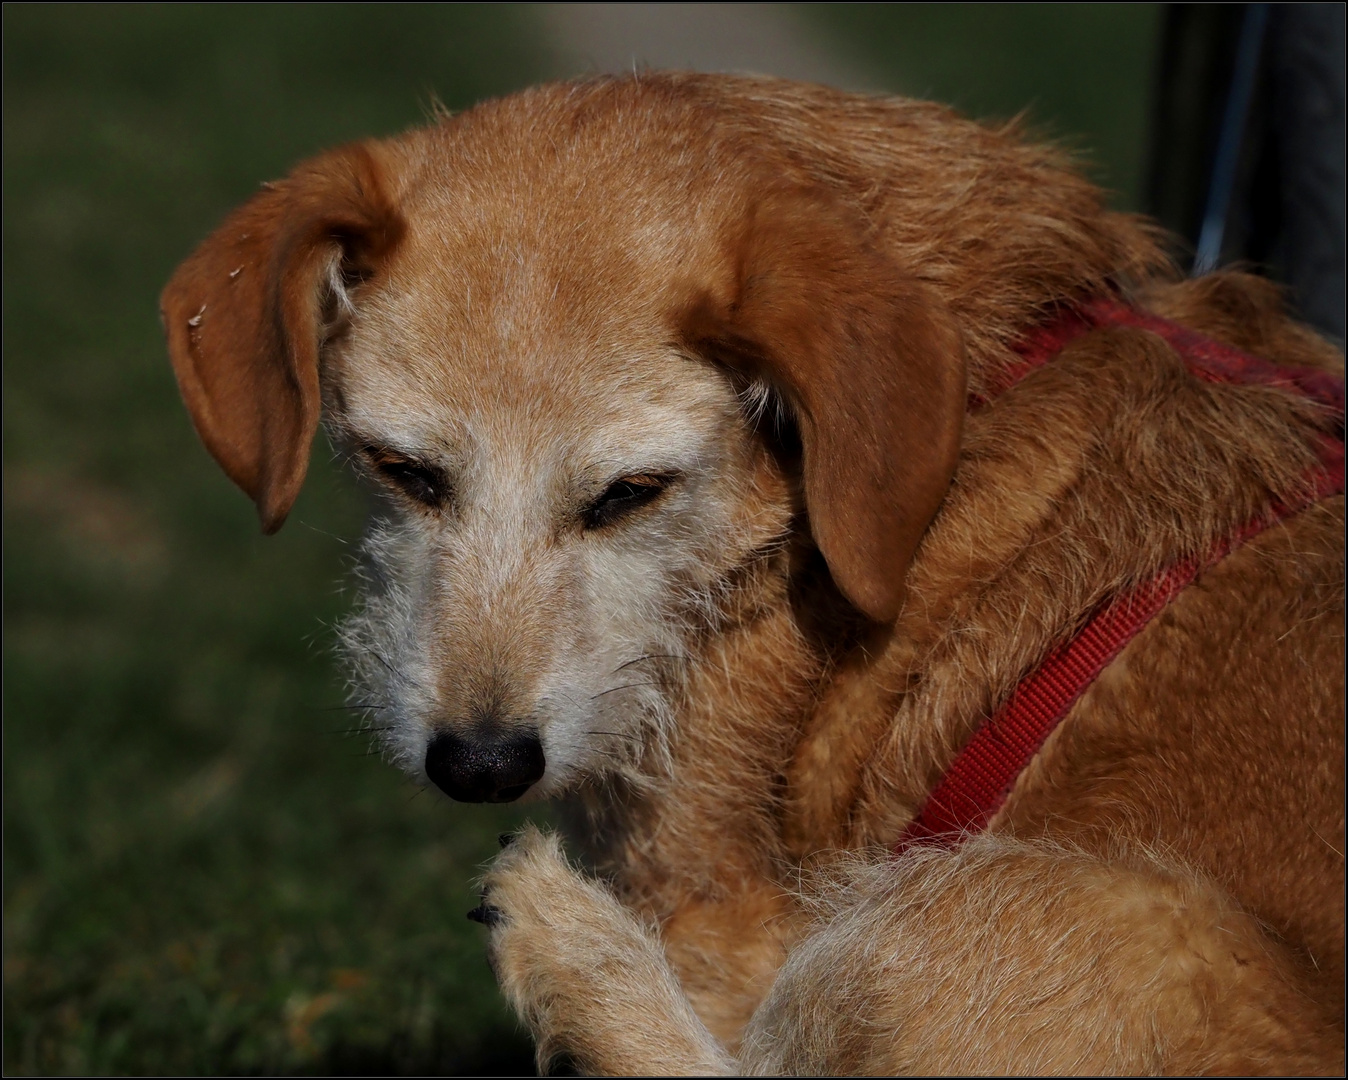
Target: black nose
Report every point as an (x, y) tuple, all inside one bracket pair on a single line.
[(497, 766)]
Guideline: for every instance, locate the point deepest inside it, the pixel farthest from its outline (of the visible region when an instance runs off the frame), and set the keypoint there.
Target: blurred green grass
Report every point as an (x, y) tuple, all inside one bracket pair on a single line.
[(202, 874)]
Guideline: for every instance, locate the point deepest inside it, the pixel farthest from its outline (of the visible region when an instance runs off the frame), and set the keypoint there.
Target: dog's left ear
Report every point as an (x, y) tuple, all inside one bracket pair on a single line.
[(870, 362)]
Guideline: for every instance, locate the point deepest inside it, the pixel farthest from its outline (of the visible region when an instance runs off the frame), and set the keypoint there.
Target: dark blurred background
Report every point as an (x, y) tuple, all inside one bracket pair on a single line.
[(204, 869)]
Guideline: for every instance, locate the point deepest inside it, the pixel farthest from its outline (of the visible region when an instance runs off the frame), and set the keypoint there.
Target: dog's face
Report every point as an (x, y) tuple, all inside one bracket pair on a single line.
[(566, 495), (553, 362)]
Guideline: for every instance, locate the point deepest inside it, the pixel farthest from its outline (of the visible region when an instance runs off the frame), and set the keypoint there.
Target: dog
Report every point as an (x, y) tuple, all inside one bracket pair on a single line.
[(717, 508)]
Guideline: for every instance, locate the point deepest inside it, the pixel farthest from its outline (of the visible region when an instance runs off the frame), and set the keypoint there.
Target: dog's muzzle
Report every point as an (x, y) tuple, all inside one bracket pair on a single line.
[(497, 766)]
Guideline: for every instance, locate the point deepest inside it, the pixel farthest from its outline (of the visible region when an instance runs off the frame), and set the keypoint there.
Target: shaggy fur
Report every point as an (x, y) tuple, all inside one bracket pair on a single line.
[(771, 302)]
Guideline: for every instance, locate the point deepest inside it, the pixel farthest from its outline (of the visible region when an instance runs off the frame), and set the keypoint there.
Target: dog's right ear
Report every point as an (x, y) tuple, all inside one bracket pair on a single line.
[(870, 362), (244, 316)]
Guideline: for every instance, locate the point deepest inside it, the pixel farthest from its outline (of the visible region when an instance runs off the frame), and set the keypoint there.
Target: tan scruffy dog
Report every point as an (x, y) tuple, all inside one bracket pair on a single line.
[(668, 381)]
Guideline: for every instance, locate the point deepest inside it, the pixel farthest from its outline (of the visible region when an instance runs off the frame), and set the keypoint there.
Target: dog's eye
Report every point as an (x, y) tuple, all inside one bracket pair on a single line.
[(420, 482), (622, 497)]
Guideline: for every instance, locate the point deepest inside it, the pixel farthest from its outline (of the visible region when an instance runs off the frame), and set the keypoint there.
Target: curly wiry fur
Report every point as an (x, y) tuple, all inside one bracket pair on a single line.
[(774, 299), (909, 967)]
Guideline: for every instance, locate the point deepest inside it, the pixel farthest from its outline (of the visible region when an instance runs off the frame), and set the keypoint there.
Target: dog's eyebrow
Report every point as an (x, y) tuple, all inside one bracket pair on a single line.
[(611, 473), (375, 448), (382, 454)]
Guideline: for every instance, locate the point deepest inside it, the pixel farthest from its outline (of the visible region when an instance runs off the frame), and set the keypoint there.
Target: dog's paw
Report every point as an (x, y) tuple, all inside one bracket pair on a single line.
[(546, 920), (584, 973)]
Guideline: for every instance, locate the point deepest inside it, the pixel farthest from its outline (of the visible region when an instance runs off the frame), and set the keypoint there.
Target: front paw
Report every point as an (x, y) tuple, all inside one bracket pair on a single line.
[(583, 972), (545, 922)]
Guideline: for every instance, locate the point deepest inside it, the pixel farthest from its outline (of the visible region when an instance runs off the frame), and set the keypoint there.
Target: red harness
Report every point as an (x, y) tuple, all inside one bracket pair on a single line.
[(981, 776)]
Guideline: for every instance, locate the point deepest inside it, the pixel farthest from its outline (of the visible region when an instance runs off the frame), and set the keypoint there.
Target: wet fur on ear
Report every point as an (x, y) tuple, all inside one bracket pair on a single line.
[(245, 316), (872, 367)]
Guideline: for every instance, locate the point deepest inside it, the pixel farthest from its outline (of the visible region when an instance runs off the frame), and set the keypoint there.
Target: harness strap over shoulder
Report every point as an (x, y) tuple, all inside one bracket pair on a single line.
[(982, 774)]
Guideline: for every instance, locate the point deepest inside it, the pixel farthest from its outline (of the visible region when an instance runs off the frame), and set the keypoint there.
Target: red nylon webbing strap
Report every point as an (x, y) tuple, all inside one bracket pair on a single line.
[(1205, 357), (981, 776)]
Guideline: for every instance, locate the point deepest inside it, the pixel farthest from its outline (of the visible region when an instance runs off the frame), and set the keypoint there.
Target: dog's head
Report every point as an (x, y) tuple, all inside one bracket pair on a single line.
[(558, 336)]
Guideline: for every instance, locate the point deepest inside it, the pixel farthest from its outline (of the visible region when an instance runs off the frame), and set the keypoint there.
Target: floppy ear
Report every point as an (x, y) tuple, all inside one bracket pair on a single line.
[(870, 362), (244, 317)]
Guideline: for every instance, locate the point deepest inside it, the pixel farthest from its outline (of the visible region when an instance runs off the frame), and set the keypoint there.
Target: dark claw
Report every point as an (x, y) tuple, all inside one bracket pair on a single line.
[(506, 839), (485, 914)]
